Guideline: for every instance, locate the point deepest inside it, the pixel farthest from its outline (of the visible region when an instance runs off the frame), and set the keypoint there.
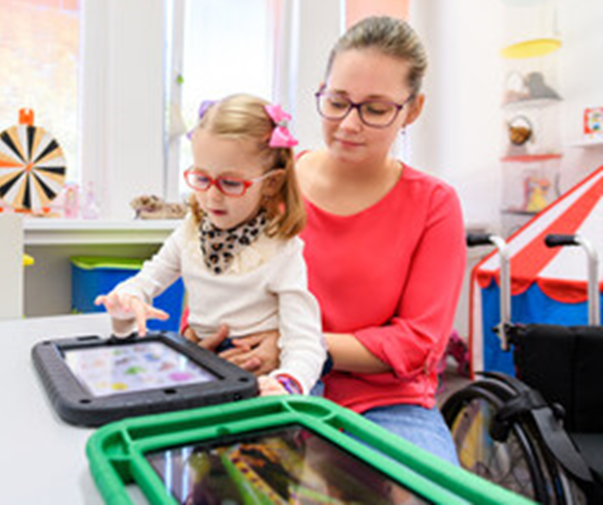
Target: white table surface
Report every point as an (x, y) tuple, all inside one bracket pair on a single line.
[(43, 459)]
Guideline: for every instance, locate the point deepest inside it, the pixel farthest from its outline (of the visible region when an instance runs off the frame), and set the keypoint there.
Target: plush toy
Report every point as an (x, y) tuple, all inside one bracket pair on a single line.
[(536, 189), (154, 207)]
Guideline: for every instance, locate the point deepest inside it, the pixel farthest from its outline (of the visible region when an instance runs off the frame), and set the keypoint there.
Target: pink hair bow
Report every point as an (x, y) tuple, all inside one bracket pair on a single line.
[(281, 136)]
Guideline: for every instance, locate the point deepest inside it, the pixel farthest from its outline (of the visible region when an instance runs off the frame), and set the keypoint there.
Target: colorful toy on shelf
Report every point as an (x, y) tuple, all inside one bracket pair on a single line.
[(520, 130), (536, 191), (89, 209), (515, 88), (155, 207), (539, 88), (32, 166), (71, 201), (532, 86), (593, 123)]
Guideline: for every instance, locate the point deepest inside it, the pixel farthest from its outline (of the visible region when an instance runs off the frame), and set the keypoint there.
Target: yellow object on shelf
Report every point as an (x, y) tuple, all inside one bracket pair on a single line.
[(531, 48), (27, 260)]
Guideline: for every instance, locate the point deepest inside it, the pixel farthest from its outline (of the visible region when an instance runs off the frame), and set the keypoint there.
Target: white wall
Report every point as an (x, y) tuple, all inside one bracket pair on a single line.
[(581, 82), (315, 26), (458, 136)]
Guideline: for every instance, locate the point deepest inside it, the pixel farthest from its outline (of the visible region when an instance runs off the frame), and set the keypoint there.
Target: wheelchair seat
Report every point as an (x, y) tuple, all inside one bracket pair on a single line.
[(590, 446)]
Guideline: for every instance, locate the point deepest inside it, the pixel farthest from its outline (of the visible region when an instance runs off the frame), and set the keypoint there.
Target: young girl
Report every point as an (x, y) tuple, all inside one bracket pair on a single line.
[(238, 251)]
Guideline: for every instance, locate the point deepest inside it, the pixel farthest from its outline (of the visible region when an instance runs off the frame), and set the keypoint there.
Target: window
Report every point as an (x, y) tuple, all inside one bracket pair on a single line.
[(121, 124), (39, 47), (217, 48)]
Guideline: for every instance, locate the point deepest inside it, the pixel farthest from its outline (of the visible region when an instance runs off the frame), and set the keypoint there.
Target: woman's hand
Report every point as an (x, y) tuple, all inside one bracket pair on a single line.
[(210, 343), (190, 335), (122, 306), (258, 353)]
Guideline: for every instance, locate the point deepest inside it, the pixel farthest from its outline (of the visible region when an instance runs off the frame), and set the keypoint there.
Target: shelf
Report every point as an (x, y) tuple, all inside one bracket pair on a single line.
[(531, 48), (587, 143), (530, 103), (51, 231), (519, 212), (531, 158)]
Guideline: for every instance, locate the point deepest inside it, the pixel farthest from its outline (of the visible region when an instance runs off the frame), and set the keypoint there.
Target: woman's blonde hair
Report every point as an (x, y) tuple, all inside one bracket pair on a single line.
[(243, 117), (390, 36)]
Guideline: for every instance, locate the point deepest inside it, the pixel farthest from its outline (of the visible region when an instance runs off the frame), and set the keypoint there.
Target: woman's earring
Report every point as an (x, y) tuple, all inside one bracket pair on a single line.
[(401, 146)]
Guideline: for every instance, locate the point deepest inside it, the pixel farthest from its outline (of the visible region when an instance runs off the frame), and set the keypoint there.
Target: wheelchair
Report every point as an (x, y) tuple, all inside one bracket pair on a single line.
[(539, 434)]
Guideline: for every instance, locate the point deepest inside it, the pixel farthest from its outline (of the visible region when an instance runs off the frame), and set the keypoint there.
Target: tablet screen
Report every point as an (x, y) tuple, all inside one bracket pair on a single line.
[(287, 465), (115, 369)]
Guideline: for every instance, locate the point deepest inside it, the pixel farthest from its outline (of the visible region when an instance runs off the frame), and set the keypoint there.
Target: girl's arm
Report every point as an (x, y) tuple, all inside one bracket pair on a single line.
[(122, 308), (136, 294), (302, 345)]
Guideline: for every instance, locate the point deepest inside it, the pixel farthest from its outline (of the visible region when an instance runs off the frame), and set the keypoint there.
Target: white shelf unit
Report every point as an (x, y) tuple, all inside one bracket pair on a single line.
[(67, 231), (52, 242), (587, 143)]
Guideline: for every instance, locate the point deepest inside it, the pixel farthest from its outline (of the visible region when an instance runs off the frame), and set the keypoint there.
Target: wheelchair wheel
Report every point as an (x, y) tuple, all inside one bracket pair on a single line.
[(517, 460), (560, 486), (511, 464)]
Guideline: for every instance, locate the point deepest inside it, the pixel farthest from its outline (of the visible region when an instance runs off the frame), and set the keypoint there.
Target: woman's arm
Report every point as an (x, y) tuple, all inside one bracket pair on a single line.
[(414, 339), (350, 355), (260, 354)]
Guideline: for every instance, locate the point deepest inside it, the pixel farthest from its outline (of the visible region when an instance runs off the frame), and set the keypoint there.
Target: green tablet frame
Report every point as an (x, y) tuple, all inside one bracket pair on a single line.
[(116, 452)]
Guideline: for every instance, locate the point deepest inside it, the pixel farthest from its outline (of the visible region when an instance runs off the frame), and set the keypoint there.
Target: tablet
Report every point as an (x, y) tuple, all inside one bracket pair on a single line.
[(286, 465), (91, 381), (278, 449)]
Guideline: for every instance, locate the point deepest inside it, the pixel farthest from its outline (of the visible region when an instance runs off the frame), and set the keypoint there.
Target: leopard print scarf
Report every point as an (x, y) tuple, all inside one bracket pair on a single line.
[(219, 247)]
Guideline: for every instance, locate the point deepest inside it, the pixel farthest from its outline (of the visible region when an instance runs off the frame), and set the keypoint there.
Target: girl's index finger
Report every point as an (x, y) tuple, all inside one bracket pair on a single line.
[(155, 313), (140, 314)]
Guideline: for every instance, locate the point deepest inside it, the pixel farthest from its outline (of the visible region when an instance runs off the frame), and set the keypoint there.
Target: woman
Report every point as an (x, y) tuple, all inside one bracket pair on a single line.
[(384, 243)]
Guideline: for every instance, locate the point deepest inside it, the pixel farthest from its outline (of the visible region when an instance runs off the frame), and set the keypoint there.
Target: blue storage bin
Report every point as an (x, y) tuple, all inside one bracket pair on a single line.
[(93, 275)]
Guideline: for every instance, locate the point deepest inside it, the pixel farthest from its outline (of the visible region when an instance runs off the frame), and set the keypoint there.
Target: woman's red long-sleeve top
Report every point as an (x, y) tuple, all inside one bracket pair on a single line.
[(391, 275)]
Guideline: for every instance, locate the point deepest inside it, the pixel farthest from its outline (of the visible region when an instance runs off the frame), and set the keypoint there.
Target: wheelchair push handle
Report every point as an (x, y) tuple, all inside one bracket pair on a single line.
[(477, 239), (555, 240), (594, 300)]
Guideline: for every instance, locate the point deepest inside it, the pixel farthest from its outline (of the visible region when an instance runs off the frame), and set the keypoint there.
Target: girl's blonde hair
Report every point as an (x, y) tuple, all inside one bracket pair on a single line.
[(390, 36), (243, 117)]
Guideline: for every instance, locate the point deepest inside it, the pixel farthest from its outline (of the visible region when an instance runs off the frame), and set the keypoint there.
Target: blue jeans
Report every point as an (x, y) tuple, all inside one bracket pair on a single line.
[(423, 427)]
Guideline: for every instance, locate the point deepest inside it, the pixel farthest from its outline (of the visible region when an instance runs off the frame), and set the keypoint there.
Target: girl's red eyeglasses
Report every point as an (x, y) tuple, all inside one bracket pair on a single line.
[(229, 186)]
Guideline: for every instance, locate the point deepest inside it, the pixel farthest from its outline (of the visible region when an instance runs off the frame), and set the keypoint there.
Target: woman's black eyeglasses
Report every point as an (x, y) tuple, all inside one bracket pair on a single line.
[(374, 113)]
